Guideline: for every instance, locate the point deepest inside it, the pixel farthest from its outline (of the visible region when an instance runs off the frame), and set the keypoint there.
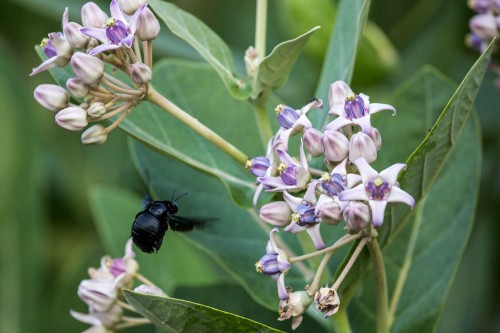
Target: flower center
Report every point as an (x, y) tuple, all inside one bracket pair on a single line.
[(378, 188), (354, 107), (334, 184), (304, 215), (116, 30), (286, 116), (48, 48), (288, 173)]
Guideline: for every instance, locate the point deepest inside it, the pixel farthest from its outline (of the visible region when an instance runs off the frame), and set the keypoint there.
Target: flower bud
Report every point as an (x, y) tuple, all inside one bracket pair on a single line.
[(484, 25), (94, 135), (72, 118), (96, 109), (375, 136), (88, 68), (141, 73), (338, 92), (357, 217), (93, 16), (328, 210), (327, 301), (150, 290), (148, 26), (130, 6), (312, 141), (51, 97), (100, 295), (277, 213), (294, 306), (111, 317), (286, 116), (77, 87), (75, 37), (258, 166), (251, 61), (335, 146), (361, 145)]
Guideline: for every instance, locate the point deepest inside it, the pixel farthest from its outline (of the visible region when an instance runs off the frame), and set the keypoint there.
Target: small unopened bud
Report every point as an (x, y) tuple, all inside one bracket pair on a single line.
[(72, 118), (335, 146), (93, 16), (150, 290), (338, 92), (327, 301), (77, 87), (75, 37), (484, 25), (286, 116), (375, 136), (148, 26), (277, 213), (96, 109), (51, 97), (94, 135), (357, 217), (130, 6), (88, 68), (312, 141), (141, 73), (258, 166), (328, 210), (251, 61), (361, 145)]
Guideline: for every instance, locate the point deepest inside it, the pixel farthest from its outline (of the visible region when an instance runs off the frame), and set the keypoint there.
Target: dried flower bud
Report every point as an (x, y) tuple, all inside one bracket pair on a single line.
[(338, 92), (129, 7), (88, 68), (335, 146), (96, 109), (72, 118), (75, 37), (357, 217), (361, 145), (77, 87), (141, 73), (294, 306), (94, 135), (148, 26), (312, 141), (327, 301), (51, 97), (277, 213), (93, 16)]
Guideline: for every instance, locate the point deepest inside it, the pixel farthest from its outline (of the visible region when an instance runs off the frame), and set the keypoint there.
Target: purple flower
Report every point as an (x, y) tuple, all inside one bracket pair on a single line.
[(378, 189), (119, 32), (258, 166), (337, 180)]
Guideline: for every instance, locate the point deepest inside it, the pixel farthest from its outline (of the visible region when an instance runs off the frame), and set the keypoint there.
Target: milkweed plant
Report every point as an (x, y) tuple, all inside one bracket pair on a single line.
[(348, 222)]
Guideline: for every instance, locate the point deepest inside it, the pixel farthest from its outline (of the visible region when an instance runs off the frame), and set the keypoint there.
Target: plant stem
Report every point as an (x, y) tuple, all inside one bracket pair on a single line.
[(260, 28), (156, 98), (265, 129), (313, 287), (350, 263), (341, 242), (341, 322), (382, 301)]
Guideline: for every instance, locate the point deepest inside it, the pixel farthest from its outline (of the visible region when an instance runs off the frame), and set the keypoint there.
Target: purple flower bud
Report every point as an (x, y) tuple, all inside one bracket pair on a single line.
[(338, 92), (75, 37), (150, 290), (258, 166), (277, 213), (96, 134), (93, 16), (357, 217), (72, 118), (333, 184), (479, 6), (375, 136), (96, 109), (272, 264), (327, 301), (51, 97), (312, 141), (57, 49), (484, 25), (77, 87), (286, 116), (361, 145), (328, 210), (88, 68), (141, 73), (130, 6), (305, 215), (335, 146), (148, 26)]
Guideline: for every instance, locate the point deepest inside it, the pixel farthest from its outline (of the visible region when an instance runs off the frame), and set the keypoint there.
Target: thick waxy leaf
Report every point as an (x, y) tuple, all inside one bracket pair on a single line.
[(274, 69), (426, 245), (210, 46), (341, 54), (179, 316)]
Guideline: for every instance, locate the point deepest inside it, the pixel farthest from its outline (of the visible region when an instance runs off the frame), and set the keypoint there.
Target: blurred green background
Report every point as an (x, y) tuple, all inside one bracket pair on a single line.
[(47, 236)]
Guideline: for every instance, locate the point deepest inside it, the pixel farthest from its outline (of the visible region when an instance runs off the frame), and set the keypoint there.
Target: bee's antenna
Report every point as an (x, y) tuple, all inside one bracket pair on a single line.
[(173, 194), (180, 196)]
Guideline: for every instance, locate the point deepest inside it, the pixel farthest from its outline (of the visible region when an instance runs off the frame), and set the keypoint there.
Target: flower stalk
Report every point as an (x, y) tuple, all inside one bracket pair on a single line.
[(382, 297), (260, 28)]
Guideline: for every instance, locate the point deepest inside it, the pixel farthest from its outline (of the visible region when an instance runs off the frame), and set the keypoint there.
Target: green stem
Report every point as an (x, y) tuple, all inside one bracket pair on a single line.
[(156, 98), (382, 297), (341, 322), (265, 129), (260, 28)]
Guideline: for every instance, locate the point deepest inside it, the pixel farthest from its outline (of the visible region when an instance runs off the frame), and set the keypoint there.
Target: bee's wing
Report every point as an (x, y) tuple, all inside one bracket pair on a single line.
[(180, 223)]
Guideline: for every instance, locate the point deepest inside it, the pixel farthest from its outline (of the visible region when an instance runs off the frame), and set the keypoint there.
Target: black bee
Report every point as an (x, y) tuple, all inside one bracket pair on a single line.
[(150, 225)]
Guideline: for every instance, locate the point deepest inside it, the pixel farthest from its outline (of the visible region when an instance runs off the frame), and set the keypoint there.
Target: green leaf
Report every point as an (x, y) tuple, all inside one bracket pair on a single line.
[(274, 69), (176, 316), (426, 244), (210, 46), (341, 54)]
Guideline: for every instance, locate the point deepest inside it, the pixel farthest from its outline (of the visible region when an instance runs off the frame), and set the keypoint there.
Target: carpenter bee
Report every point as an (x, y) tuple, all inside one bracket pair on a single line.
[(150, 225)]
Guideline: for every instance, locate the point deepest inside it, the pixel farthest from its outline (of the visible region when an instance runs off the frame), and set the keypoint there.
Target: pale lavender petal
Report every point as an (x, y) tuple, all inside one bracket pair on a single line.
[(135, 18), (65, 17), (398, 195), (282, 292), (284, 136), (97, 33), (293, 228), (272, 241), (340, 168), (364, 123), (365, 98), (337, 123), (127, 41), (365, 170), (310, 195), (292, 201), (283, 188), (303, 158), (315, 235), (256, 195), (271, 181), (302, 122), (376, 107), (104, 47), (356, 193), (129, 253), (47, 64), (285, 158), (390, 174), (378, 209), (116, 12), (337, 109), (352, 179), (85, 318)]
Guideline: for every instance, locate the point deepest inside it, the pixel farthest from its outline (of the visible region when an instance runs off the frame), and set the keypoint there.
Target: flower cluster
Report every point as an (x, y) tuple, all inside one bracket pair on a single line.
[(485, 26), (103, 39), (347, 188), (102, 292)]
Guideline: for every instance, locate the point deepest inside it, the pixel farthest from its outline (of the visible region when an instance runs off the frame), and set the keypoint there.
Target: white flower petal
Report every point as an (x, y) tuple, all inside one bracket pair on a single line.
[(315, 235), (365, 170), (390, 174), (376, 107), (293, 202), (337, 124), (398, 195), (378, 209), (356, 193)]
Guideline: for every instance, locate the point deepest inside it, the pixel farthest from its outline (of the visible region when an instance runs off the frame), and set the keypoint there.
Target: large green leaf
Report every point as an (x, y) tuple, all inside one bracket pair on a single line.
[(274, 69), (210, 46), (179, 316), (426, 245), (341, 54)]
